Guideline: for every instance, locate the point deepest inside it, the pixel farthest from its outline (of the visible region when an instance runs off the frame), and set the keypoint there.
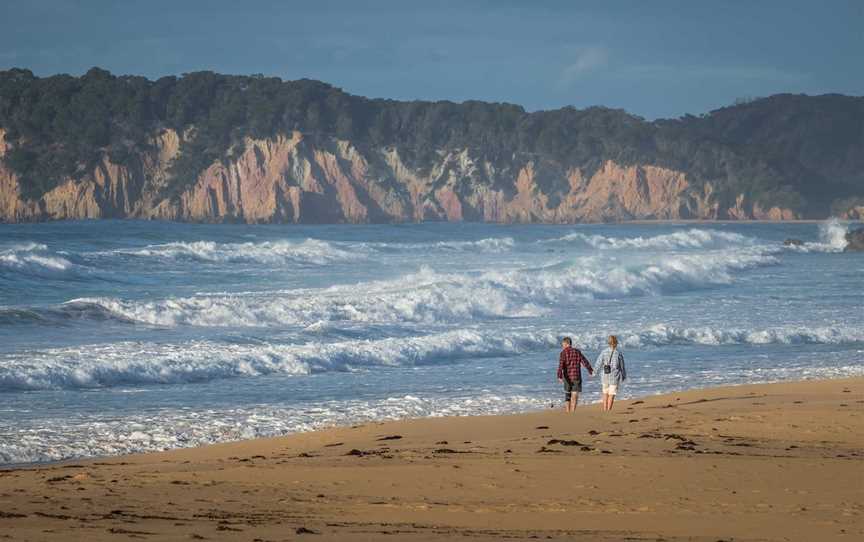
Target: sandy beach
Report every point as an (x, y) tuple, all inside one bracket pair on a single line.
[(763, 462)]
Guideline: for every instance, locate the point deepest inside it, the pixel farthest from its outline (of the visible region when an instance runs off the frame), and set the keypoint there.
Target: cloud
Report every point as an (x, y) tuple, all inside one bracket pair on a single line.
[(585, 60)]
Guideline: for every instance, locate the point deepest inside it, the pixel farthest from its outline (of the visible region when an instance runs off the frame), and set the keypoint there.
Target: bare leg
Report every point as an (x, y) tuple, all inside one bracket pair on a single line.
[(605, 401), (567, 406), (611, 402), (574, 399)]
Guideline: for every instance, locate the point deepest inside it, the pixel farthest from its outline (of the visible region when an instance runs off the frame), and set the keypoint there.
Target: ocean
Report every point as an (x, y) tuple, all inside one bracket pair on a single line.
[(125, 336)]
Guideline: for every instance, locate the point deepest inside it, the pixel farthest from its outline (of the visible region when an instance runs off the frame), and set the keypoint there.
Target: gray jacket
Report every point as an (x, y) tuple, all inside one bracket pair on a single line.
[(615, 359)]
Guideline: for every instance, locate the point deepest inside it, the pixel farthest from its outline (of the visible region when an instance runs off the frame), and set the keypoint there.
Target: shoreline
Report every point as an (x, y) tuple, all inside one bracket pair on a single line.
[(582, 405), (758, 461)]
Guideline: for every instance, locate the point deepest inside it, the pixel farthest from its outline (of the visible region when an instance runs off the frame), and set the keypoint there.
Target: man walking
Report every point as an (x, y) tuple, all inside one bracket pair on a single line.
[(570, 363)]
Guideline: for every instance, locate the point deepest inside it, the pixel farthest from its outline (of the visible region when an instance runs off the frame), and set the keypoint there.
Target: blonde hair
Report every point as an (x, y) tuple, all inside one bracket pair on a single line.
[(613, 341)]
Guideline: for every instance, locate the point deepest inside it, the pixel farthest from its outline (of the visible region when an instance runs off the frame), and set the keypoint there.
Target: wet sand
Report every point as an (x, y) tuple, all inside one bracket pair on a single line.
[(764, 462)]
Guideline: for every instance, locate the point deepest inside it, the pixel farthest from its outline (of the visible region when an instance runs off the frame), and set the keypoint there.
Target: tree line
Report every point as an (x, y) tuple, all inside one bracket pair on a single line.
[(797, 151)]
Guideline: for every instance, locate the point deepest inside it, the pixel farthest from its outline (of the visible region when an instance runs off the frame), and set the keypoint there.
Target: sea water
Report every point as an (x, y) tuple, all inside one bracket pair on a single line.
[(122, 336)]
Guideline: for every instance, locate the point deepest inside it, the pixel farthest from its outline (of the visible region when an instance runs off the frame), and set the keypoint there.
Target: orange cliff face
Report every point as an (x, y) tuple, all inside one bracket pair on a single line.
[(290, 178)]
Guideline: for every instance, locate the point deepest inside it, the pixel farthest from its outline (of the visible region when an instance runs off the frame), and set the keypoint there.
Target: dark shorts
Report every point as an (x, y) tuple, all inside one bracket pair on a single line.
[(570, 387)]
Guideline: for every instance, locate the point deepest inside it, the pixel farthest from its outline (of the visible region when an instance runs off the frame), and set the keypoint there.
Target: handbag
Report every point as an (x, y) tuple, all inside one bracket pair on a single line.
[(607, 367)]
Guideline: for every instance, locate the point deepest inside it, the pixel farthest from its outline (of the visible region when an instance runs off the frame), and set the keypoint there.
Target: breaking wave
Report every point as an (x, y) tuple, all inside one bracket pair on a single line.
[(34, 259), (661, 335), (151, 363), (431, 297), (309, 251), (137, 363), (689, 239), (490, 244)]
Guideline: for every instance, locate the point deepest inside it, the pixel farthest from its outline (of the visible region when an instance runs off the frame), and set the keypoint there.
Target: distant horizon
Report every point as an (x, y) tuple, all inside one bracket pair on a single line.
[(736, 101)]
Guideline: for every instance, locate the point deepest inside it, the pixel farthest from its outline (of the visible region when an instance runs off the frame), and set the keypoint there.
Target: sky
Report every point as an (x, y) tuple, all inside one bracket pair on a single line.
[(656, 59)]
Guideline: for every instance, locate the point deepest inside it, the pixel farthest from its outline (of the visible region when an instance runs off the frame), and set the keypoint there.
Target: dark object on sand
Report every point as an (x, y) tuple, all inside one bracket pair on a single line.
[(564, 442), (792, 242), (855, 241)]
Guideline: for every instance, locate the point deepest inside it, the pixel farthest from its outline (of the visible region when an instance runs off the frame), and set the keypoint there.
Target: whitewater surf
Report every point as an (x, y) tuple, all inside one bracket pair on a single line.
[(155, 335)]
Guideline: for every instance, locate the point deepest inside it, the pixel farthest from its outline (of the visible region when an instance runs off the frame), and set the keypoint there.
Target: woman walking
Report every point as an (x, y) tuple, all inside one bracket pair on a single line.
[(612, 371)]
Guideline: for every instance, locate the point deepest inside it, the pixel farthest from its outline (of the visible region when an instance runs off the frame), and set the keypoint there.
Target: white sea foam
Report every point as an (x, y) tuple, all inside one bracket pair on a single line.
[(425, 296), (424, 333), (687, 239), (136, 363), (311, 251), (661, 334), (88, 434), (126, 363), (490, 244), (94, 435), (432, 297), (485, 245), (611, 278), (34, 259)]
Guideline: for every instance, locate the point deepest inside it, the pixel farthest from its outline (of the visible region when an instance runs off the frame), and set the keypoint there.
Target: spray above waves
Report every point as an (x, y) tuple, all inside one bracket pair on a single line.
[(137, 363), (832, 238)]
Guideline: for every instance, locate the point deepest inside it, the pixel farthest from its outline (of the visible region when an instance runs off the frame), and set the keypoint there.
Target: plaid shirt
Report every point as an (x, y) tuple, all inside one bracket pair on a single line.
[(570, 360)]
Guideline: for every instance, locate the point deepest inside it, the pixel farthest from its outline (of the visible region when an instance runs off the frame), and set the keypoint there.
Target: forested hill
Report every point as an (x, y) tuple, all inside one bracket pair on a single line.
[(137, 148)]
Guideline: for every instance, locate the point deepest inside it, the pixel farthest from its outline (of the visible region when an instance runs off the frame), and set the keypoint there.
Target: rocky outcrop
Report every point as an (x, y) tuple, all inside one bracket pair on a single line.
[(855, 241), (291, 178)]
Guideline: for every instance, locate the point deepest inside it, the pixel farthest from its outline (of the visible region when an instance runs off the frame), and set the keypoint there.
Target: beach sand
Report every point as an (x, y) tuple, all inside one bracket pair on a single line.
[(763, 462)]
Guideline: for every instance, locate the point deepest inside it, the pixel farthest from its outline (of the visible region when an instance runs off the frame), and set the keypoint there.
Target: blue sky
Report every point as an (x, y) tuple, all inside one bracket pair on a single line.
[(652, 58)]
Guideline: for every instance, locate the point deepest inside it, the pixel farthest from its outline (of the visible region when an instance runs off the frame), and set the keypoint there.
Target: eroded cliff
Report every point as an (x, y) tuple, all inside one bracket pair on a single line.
[(212, 147), (291, 178)]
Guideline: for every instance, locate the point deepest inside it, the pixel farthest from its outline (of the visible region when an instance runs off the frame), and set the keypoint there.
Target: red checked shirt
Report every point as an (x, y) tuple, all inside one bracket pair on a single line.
[(570, 360)]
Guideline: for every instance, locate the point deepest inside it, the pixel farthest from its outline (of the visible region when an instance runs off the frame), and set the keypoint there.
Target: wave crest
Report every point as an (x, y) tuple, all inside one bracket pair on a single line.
[(135, 363), (688, 239), (310, 251), (431, 297), (33, 259)]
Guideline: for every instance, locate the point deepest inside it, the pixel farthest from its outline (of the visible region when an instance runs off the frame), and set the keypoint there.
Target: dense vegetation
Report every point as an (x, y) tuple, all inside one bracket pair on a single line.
[(796, 151)]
